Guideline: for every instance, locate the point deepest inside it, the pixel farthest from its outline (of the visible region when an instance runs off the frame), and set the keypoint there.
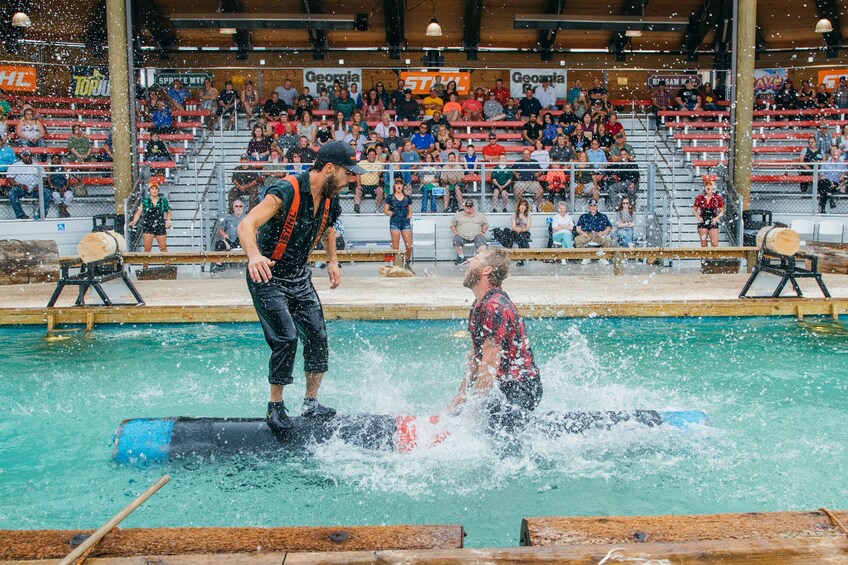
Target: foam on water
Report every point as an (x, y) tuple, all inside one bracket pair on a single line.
[(774, 390)]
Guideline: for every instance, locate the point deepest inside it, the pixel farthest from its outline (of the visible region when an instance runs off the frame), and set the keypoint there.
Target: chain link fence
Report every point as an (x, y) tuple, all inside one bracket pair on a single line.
[(34, 191)]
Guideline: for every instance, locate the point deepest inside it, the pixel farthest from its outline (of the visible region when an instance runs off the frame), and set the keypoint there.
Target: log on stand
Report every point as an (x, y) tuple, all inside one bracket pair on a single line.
[(779, 241), (24, 262)]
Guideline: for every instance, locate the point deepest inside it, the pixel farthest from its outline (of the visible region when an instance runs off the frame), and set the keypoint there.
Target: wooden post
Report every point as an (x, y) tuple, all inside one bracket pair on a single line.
[(746, 29), (116, 25)]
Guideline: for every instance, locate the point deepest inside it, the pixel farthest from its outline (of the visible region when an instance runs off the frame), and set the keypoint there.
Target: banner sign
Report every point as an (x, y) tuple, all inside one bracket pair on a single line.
[(164, 79), (830, 78), (420, 82), (89, 81), (768, 81), (522, 79), (319, 78), (17, 79), (673, 81)]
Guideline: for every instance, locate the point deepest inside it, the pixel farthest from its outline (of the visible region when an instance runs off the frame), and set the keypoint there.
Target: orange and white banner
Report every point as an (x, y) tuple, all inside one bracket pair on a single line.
[(17, 79), (830, 78), (420, 82)]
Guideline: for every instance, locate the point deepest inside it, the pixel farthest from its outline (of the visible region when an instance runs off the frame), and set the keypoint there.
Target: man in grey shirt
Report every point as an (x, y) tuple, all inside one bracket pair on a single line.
[(468, 226), (287, 92), (228, 229)]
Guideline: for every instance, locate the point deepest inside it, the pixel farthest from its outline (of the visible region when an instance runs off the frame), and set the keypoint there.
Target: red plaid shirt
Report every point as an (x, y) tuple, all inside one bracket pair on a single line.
[(496, 317)]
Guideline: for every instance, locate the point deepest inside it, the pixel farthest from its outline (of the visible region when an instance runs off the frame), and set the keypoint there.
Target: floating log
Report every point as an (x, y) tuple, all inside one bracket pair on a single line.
[(24, 262), (149, 440), (55, 544), (833, 257), (782, 241), (552, 531), (101, 245)]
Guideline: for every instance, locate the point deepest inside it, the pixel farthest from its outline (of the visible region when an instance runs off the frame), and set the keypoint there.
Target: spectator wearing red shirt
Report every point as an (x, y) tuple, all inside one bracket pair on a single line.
[(472, 109), (613, 126), (501, 356), (493, 150), (708, 210), (501, 93)]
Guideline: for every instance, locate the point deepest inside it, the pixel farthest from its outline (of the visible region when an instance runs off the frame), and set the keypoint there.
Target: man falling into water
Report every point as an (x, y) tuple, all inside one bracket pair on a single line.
[(501, 374), (292, 217)]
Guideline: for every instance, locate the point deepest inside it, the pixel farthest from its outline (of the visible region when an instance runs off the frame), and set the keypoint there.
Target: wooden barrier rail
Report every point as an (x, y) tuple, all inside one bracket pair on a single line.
[(619, 254), (616, 254)]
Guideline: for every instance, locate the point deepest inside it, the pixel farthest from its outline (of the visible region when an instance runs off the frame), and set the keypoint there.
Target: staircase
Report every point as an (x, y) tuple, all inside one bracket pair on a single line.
[(194, 192)]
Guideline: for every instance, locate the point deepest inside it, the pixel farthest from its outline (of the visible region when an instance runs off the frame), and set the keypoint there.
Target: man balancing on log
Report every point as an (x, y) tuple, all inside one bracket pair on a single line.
[(296, 212), (502, 376)]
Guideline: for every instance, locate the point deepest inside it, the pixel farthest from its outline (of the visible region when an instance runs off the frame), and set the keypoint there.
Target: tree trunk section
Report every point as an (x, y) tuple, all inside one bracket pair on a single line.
[(24, 262)]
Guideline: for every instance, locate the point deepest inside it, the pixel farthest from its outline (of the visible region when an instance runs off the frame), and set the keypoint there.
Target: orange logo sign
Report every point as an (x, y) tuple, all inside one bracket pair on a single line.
[(830, 78), (420, 82), (17, 79)]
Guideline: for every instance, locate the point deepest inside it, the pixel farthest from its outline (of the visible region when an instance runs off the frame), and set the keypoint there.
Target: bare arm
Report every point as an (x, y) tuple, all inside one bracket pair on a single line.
[(487, 368), (259, 266), (333, 270)]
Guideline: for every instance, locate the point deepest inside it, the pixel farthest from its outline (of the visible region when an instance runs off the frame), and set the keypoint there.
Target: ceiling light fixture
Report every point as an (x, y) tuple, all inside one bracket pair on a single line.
[(227, 31), (433, 28), (20, 19), (824, 26), (633, 33)]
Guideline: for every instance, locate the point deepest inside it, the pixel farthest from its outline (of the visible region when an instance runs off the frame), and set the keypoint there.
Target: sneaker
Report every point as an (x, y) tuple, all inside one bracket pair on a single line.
[(603, 261), (408, 267), (356, 208), (24, 217), (564, 262), (459, 260), (832, 203), (520, 263), (314, 409), (585, 261), (277, 419)]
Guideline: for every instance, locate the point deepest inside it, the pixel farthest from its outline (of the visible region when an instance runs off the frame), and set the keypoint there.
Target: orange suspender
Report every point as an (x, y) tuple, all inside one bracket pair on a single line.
[(291, 220)]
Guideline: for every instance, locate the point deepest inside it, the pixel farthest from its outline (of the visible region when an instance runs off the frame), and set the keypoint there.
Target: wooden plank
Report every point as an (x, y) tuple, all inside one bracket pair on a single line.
[(547, 531), (181, 258), (833, 257), (791, 551), (52, 544), (246, 313)]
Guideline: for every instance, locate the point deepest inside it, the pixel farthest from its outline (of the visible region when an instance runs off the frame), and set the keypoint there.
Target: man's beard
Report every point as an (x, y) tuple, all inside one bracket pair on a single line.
[(330, 187), (472, 277)]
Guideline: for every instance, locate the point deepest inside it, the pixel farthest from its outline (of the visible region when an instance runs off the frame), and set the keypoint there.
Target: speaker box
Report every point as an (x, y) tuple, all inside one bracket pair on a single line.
[(362, 22)]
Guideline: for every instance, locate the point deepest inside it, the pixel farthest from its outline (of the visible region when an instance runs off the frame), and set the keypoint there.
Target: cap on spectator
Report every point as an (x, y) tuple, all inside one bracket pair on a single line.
[(491, 93), (661, 83), (492, 136), (823, 126), (619, 135), (392, 128), (593, 203), (339, 153), (26, 152), (407, 91), (469, 203)]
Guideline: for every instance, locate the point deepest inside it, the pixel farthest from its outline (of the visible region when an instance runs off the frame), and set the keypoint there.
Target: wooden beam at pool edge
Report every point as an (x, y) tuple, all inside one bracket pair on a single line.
[(95, 315)]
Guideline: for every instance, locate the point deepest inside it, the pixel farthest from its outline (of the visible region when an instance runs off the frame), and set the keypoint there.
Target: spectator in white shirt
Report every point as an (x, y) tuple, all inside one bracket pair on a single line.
[(546, 95)]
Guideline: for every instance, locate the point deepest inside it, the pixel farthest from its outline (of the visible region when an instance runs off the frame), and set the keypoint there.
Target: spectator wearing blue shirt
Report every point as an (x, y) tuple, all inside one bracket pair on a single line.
[(593, 227), (423, 140), (161, 118), (596, 155), (470, 158), (178, 95), (408, 155), (7, 155), (833, 174), (526, 170)]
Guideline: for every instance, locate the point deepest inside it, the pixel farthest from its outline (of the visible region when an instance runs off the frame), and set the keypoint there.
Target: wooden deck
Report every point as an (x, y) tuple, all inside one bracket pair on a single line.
[(432, 297)]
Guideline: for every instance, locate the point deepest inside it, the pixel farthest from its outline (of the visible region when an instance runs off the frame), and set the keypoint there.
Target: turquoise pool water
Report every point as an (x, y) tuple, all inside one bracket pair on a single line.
[(775, 391)]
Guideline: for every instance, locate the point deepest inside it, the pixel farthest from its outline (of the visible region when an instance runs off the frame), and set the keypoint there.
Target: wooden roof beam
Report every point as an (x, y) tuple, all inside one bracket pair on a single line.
[(619, 39), (242, 36), (471, 33), (700, 24), (395, 32), (95, 31), (159, 26), (318, 37), (547, 38)]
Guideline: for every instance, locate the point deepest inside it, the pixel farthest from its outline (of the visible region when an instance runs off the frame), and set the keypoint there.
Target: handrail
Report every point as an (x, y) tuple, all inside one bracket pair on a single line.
[(131, 204)]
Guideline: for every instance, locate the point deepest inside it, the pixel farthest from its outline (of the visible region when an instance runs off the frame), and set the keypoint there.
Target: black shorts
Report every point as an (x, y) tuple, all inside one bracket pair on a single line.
[(508, 411), (370, 191), (287, 308), (154, 228)]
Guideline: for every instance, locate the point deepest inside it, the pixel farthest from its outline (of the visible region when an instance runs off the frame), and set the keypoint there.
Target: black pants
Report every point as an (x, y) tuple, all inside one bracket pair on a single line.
[(508, 412), (289, 308), (826, 189)]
